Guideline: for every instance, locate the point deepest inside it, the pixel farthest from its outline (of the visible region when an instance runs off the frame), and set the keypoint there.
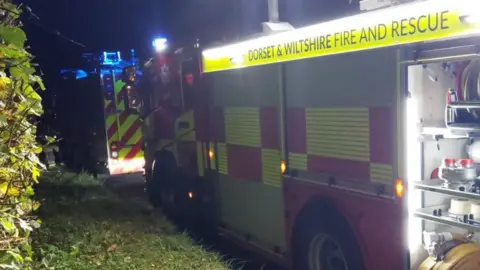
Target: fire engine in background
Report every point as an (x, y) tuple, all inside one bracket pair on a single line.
[(102, 134), (310, 146)]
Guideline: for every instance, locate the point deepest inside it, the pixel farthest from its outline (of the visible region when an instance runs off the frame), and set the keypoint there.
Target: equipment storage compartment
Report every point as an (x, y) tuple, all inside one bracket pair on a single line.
[(442, 160)]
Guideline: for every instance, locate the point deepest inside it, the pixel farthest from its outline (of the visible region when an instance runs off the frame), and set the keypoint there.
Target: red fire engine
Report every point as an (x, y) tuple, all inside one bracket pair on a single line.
[(310, 146)]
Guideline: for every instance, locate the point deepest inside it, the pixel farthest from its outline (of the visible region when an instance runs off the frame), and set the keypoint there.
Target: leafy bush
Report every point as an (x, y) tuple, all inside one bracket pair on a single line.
[(19, 165)]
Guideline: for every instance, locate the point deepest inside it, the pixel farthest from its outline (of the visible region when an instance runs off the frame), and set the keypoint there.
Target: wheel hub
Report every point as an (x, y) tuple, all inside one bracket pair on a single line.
[(325, 254)]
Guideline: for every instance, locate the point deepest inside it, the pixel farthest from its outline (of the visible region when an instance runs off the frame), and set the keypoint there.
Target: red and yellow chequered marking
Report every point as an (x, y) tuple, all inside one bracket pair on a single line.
[(243, 142), (355, 143), (244, 153), (349, 142)]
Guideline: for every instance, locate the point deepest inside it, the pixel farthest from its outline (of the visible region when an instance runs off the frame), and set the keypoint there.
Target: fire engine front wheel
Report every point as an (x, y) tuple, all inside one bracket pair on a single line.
[(323, 240)]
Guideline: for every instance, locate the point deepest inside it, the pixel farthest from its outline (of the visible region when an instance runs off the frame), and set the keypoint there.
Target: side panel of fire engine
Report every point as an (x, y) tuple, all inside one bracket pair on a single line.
[(247, 156), (341, 142), (123, 128)]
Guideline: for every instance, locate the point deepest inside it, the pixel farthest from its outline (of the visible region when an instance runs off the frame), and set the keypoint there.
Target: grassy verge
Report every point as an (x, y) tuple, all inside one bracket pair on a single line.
[(86, 227)]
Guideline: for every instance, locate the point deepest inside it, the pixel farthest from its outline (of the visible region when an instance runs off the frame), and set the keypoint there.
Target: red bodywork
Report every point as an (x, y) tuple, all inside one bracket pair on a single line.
[(380, 244), (166, 102)]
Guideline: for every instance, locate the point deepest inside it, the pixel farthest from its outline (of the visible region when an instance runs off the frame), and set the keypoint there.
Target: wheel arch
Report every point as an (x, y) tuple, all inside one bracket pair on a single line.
[(163, 153), (317, 208)]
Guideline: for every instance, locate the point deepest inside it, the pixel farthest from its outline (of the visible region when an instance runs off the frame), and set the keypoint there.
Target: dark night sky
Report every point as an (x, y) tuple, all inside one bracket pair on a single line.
[(124, 24)]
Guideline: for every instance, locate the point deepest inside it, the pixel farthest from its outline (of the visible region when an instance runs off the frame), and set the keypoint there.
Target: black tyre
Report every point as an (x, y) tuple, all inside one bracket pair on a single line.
[(152, 190), (325, 241), (160, 186)]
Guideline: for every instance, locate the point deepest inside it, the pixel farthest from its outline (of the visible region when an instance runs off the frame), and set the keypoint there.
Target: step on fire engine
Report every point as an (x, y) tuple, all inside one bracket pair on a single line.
[(102, 134), (349, 144)]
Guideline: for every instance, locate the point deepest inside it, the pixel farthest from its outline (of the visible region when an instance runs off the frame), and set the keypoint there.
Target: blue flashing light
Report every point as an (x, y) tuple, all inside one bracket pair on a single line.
[(80, 74), (111, 58), (160, 44)]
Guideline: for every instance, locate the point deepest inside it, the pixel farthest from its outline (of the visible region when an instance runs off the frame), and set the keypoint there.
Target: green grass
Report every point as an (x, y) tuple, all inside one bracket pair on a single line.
[(85, 227)]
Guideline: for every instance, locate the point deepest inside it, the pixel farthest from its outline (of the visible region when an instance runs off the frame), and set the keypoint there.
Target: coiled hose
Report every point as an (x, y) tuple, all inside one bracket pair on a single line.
[(469, 86)]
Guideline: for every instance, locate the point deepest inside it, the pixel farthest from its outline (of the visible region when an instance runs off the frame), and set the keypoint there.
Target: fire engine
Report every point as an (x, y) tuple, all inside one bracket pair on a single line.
[(349, 144), (106, 135)]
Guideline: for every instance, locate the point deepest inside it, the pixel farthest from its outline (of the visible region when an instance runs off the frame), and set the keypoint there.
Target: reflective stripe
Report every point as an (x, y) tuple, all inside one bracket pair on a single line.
[(381, 173), (130, 153), (297, 161), (112, 128), (242, 126), (341, 133), (271, 174), (222, 158), (213, 161)]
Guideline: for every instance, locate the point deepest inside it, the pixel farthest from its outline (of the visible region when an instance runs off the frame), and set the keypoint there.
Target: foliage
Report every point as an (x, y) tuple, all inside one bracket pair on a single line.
[(101, 231), (19, 165)]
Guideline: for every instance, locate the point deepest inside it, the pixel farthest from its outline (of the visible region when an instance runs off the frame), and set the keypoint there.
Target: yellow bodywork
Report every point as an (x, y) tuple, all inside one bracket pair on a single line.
[(403, 24), (462, 257)]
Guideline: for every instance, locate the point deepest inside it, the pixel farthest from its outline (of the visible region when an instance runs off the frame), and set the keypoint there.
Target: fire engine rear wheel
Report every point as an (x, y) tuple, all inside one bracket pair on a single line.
[(162, 185), (323, 240)]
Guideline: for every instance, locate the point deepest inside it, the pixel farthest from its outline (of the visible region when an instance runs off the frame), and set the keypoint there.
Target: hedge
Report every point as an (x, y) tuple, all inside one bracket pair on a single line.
[(20, 104)]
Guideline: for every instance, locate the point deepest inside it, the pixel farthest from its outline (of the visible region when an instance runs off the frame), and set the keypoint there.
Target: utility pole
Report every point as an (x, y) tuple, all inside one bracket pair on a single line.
[(274, 25), (273, 14)]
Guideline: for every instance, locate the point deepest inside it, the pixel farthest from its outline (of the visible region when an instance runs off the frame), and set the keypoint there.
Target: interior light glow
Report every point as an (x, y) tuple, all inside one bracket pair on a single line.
[(413, 159)]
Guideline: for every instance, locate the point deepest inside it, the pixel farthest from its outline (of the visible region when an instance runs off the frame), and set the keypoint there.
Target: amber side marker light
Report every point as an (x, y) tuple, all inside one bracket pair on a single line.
[(399, 188), (210, 154), (283, 166)]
